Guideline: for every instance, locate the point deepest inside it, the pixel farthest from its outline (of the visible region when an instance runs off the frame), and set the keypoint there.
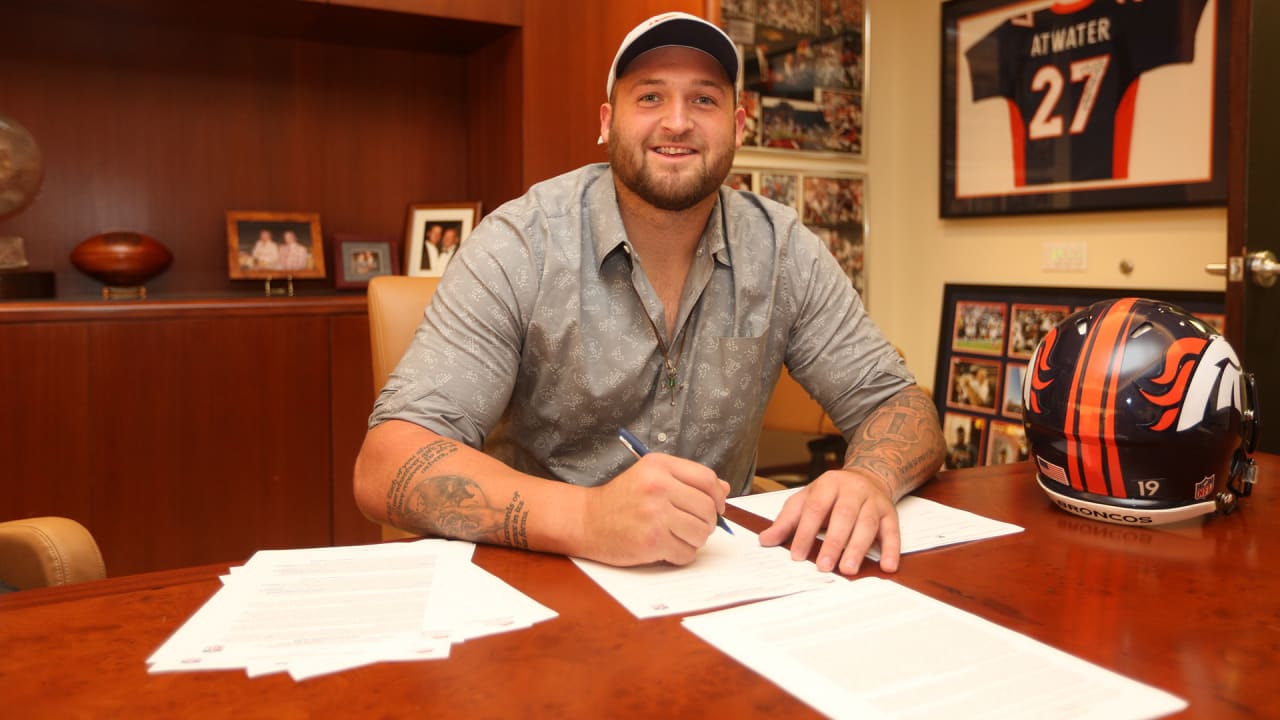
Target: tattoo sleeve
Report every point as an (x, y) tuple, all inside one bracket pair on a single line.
[(901, 442), (452, 505)]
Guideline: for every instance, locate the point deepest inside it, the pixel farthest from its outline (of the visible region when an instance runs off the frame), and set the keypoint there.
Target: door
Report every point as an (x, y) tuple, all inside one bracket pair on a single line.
[(1253, 205)]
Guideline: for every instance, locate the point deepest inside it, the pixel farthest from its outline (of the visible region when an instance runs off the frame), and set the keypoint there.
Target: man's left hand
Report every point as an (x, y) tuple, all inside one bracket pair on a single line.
[(854, 506)]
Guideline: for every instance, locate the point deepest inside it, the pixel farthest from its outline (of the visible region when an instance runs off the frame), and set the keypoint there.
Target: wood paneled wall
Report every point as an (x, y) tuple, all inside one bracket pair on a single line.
[(160, 117), (570, 46)]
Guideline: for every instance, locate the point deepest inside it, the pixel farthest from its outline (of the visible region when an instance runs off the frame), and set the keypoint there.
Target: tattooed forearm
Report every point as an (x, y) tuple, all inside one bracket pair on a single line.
[(515, 525), (452, 505), (422, 460), (901, 442)]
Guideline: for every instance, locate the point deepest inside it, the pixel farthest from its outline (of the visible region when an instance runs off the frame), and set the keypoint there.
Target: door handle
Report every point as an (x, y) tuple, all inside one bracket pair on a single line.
[(1261, 265)]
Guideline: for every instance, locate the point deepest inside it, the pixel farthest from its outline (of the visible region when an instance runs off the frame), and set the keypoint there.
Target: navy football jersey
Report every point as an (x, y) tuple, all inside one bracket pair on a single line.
[(1070, 74)]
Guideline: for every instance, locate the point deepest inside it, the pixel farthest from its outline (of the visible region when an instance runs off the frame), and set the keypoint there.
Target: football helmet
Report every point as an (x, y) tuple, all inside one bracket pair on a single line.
[(1138, 413)]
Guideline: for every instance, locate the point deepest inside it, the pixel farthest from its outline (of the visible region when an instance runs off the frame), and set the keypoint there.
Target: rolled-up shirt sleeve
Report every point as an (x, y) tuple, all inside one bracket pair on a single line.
[(457, 375), (836, 351)]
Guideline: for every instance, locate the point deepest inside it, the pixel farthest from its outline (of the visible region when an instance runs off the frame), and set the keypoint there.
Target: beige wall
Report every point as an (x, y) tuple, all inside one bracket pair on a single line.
[(912, 253)]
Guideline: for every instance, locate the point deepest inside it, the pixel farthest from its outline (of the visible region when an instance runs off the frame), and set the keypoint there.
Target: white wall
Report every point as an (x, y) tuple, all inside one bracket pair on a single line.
[(912, 253)]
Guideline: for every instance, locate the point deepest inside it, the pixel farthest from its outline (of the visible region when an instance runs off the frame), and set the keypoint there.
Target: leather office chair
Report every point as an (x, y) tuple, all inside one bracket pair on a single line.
[(44, 551), (396, 303)]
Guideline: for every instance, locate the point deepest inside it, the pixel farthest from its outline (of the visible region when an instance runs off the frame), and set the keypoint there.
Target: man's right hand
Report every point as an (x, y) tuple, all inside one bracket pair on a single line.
[(663, 508)]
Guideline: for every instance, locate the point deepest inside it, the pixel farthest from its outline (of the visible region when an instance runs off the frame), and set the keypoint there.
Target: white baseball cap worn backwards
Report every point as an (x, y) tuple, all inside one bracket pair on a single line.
[(675, 29)]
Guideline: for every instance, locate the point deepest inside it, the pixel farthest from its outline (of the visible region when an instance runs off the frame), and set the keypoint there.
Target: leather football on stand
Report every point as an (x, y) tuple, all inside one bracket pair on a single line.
[(123, 261)]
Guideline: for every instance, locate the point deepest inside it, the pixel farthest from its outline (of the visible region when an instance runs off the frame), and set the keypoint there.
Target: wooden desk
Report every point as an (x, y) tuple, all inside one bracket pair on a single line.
[(1194, 612)]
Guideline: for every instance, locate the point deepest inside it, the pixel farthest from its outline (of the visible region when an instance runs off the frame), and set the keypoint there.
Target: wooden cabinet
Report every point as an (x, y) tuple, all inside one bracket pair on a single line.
[(187, 432)]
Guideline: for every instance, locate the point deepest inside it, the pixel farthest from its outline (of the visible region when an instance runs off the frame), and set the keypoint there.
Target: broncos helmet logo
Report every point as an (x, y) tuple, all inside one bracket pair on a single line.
[(1199, 377)]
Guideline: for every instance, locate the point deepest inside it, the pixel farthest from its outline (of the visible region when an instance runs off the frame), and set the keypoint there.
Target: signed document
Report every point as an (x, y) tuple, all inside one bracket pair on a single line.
[(924, 524), (729, 569)]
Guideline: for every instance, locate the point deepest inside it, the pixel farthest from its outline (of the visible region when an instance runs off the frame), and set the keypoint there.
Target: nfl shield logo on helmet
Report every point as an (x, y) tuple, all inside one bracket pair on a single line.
[(1204, 488)]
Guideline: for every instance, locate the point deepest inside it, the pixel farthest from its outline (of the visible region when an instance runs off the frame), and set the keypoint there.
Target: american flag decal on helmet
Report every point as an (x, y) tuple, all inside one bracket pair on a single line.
[(1051, 471)]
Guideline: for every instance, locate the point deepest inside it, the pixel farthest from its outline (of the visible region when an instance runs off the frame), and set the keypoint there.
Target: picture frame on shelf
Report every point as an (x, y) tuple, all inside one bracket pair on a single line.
[(1096, 107), (263, 245), (433, 232), (358, 259), (960, 392)]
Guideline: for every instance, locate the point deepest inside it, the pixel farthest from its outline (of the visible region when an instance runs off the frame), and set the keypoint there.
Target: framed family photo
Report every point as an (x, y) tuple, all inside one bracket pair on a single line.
[(266, 245), (433, 233), (359, 259), (1111, 104)]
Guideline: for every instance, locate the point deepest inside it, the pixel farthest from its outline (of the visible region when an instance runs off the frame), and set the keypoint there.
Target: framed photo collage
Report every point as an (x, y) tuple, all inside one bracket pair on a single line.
[(987, 336), (803, 72)]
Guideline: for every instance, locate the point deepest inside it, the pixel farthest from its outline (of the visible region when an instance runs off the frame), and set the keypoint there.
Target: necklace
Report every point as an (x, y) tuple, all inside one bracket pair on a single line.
[(668, 363)]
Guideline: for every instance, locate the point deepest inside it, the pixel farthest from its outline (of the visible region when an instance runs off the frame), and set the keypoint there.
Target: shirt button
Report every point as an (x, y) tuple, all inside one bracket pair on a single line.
[(662, 437)]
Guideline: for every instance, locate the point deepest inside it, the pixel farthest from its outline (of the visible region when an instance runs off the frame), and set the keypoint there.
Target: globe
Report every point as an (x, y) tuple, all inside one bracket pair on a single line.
[(21, 170), (21, 167)]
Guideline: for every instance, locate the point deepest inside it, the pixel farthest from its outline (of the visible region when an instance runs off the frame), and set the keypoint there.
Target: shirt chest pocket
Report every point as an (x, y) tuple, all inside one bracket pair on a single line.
[(730, 367)]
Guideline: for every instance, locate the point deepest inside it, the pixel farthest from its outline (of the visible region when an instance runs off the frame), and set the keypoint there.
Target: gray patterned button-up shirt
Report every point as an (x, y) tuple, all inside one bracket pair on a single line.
[(542, 338)]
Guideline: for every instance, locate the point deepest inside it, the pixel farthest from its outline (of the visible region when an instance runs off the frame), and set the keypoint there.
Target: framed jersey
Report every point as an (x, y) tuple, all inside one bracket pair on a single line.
[(1065, 105)]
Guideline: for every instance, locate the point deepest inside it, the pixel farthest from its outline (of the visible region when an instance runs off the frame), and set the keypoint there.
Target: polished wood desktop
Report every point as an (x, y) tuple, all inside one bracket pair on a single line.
[(1194, 611)]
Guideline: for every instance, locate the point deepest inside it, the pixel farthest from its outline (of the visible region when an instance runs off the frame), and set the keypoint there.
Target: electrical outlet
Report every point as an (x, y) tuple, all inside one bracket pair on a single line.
[(1066, 256)]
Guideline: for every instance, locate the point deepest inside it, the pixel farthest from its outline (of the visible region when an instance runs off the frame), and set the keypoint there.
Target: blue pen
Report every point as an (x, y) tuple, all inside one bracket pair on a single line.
[(638, 449)]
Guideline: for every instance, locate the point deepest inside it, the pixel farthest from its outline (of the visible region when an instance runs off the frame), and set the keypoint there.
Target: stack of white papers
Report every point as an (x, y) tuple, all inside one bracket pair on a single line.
[(728, 569), (316, 611), (924, 524), (871, 648)]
